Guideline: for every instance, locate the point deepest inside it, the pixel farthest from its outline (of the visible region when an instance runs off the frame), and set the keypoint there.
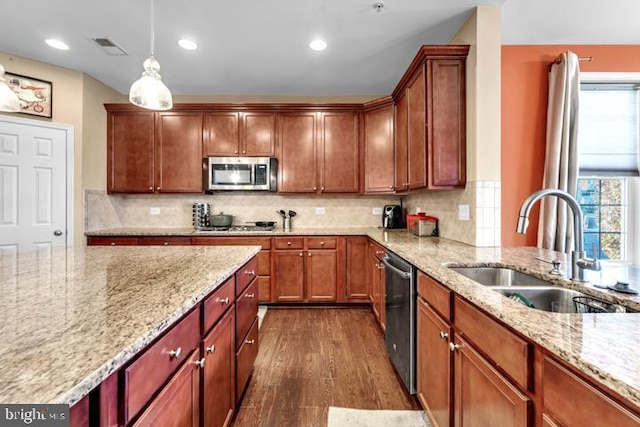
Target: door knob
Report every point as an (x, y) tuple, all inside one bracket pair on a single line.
[(57, 233)]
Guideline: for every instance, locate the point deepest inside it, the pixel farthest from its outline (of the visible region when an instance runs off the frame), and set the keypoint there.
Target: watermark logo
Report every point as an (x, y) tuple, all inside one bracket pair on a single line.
[(34, 415)]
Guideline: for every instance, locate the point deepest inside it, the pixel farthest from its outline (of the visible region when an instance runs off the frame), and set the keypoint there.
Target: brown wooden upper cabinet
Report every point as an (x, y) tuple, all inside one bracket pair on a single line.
[(378, 149), (318, 152), (235, 133), (151, 152), (430, 120)]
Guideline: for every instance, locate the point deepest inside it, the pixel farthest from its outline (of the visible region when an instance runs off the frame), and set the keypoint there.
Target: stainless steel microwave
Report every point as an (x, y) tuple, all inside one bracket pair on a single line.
[(240, 173)]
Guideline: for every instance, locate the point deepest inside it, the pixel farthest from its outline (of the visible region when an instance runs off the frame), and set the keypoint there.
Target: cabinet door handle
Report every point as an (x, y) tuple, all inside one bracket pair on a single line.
[(379, 252), (157, 188), (151, 188), (321, 188), (211, 348), (309, 254), (174, 354), (454, 347), (250, 341), (244, 151), (250, 272), (315, 188), (199, 363), (443, 335), (223, 301), (250, 295), (300, 254)]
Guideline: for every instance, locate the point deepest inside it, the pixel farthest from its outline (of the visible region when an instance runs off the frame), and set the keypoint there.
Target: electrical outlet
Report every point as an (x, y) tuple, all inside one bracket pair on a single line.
[(377, 211), (154, 211), (418, 210), (463, 212), (320, 211)]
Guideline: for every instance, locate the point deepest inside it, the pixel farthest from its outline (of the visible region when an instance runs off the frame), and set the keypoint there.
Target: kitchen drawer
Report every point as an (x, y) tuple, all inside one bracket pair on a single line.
[(245, 357), (572, 401), (435, 294), (165, 241), (112, 241), (288, 242), (246, 311), (508, 351), (147, 373), (264, 242), (321, 242), (246, 274), (217, 303)]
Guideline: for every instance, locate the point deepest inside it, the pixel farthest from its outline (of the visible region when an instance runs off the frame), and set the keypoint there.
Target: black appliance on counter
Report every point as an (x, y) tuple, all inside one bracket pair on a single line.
[(393, 216)]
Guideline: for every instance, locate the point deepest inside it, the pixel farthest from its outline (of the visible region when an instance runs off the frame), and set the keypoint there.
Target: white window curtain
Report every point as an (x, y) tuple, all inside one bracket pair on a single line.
[(555, 231)]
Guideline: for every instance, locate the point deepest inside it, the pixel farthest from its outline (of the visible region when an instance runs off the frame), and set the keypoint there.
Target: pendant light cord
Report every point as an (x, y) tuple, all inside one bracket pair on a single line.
[(152, 31)]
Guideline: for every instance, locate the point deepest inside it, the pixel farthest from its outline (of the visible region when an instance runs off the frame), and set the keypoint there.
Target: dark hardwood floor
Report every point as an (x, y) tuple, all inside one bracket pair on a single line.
[(313, 358)]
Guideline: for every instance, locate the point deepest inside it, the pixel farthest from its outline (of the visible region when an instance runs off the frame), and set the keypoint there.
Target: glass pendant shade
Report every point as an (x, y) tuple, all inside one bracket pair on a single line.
[(9, 101), (149, 91)]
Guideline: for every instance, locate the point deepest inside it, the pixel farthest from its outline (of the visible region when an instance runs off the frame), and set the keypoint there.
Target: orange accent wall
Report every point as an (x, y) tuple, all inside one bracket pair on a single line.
[(524, 118)]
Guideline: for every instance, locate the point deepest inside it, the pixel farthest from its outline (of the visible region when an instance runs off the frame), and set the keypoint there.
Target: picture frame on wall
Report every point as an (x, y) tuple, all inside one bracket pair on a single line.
[(35, 95)]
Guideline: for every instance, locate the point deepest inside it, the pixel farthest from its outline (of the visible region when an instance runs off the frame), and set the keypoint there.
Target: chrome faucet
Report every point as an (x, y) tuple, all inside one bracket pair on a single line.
[(578, 260)]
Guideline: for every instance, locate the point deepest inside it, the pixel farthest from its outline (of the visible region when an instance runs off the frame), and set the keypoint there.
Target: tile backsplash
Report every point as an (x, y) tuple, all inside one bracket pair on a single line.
[(103, 211)]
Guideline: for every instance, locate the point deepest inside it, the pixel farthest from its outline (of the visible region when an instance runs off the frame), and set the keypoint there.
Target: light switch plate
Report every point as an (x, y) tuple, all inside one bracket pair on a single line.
[(463, 212), (377, 211), (154, 211), (320, 211)]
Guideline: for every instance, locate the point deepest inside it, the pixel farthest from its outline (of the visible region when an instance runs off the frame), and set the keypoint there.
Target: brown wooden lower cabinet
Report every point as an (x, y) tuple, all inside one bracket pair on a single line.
[(79, 413), (568, 400), (178, 404), (357, 286), (483, 396), (434, 365), (378, 293), (288, 276), (218, 382), (245, 358)]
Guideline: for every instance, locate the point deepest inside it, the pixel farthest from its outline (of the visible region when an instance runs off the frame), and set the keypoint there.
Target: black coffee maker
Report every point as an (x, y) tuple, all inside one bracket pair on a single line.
[(393, 216)]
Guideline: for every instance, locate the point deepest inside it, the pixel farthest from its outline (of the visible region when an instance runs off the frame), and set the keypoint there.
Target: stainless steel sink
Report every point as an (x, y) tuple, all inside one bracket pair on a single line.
[(547, 298), (496, 276)]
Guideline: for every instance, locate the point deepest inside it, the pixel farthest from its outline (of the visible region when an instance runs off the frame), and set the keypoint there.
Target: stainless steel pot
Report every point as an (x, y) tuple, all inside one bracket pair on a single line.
[(221, 220)]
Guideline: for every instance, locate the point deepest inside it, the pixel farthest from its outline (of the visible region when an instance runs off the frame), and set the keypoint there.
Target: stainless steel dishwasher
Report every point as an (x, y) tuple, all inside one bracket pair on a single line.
[(400, 307)]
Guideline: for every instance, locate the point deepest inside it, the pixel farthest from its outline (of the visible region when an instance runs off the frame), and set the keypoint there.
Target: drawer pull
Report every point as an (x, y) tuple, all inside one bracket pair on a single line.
[(250, 295), (288, 243), (309, 254), (174, 354), (166, 243), (199, 363), (211, 348), (113, 243), (453, 347), (300, 254), (321, 243), (379, 252), (250, 272), (223, 301), (250, 341), (443, 335)]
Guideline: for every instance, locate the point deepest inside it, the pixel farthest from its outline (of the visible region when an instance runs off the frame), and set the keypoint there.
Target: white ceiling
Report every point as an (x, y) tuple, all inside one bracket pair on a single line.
[(260, 47)]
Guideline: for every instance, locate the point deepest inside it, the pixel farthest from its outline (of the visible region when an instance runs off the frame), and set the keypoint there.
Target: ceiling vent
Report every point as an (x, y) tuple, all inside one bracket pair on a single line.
[(109, 47)]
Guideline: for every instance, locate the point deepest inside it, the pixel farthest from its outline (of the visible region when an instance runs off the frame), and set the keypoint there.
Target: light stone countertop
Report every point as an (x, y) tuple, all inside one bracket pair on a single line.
[(606, 346), (71, 317)]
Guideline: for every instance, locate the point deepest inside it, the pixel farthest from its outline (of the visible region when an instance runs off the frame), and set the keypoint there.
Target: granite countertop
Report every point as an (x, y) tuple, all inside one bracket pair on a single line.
[(72, 316), (603, 346)]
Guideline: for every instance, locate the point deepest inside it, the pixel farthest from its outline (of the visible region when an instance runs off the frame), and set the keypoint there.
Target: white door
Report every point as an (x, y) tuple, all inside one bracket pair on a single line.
[(34, 184)]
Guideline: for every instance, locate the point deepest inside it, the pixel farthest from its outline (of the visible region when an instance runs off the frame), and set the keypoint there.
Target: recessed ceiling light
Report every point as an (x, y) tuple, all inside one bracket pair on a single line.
[(318, 45), (57, 44), (187, 44)]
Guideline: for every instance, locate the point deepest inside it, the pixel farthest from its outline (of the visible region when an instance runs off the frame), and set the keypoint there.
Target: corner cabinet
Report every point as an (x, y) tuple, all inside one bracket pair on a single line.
[(318, 152), (430, 120), (153, 152)]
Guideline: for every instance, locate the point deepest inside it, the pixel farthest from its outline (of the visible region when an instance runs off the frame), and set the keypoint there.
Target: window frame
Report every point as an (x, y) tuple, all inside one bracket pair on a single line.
[(632, 255)]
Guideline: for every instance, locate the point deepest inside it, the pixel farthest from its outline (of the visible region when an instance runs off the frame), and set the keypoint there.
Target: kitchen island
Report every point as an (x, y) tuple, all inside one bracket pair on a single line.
[(602, 346), (73, 316)]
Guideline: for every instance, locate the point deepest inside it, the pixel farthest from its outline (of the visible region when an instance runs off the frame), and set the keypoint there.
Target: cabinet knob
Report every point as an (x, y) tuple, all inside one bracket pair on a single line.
[(288, 243), (300, 254), (223, 301), (112, 243), (309, 254), (235, 152), (211, 348), (250, 341), (157, 188), (454, 347), (151, 188), (391, 187), (380, 266), (244, 151), (166, 243), (315, 188), (199, 363), (174, 354), (443, 335), (321, 243), (250, 295), (250, 272)]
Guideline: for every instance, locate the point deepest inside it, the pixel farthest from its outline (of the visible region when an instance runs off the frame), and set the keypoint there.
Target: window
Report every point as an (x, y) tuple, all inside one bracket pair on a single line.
[(608, 140)]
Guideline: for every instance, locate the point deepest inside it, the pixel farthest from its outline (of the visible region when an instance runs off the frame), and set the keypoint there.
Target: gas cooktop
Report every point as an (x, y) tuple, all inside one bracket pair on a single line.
[(238, 228)]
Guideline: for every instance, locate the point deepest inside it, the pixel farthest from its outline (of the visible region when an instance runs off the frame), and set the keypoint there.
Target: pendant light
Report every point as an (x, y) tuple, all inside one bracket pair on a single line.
[(9, 101), (149, 91)]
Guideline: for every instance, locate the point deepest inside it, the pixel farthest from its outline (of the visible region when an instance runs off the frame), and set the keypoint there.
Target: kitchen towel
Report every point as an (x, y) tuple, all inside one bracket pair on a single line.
[(343, 417)]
